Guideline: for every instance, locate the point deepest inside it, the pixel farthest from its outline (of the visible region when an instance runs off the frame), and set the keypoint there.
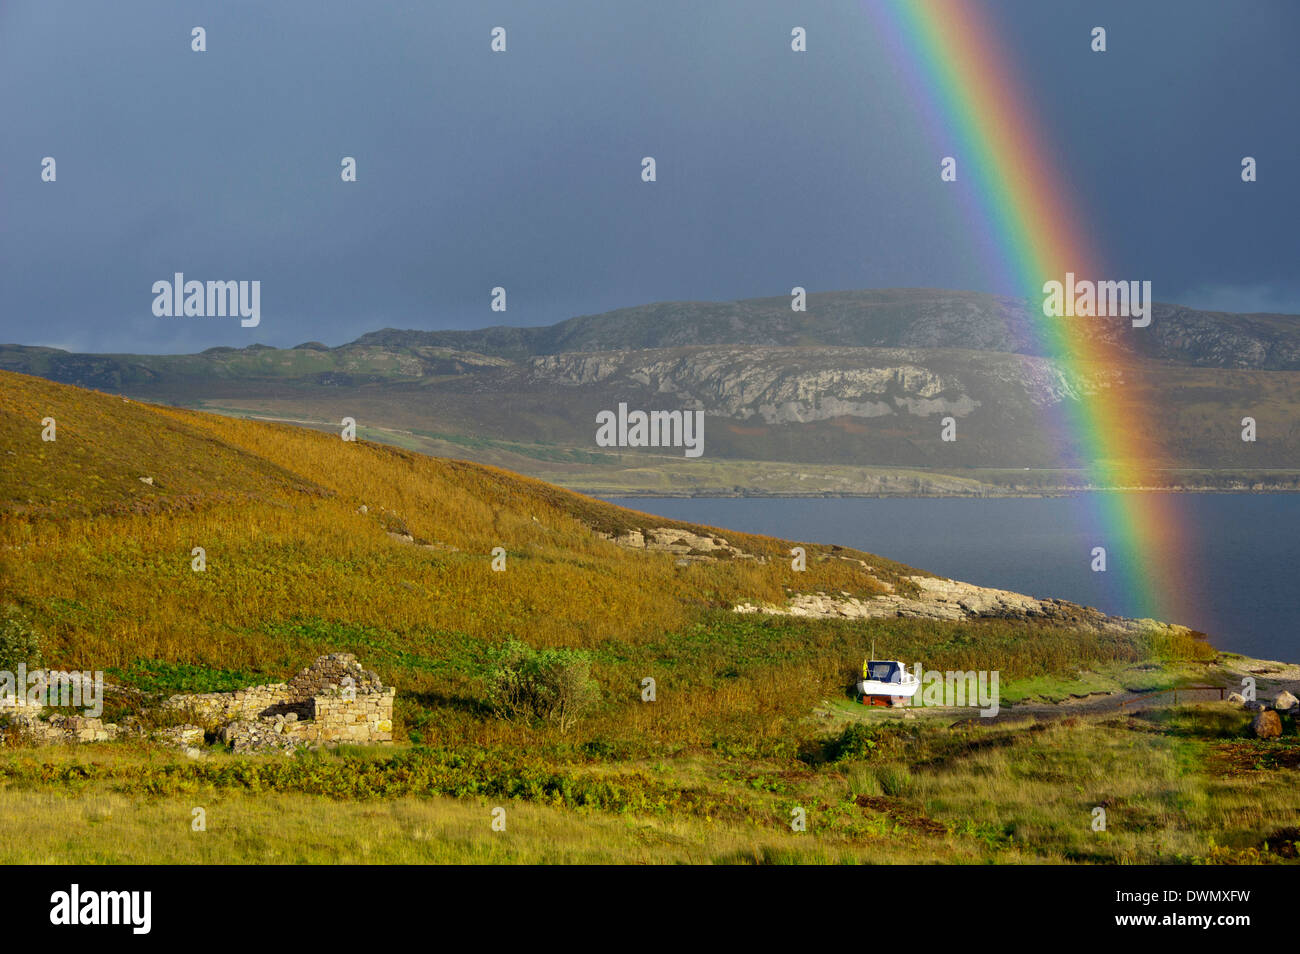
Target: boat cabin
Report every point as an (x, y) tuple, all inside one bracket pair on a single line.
[(876, 670)]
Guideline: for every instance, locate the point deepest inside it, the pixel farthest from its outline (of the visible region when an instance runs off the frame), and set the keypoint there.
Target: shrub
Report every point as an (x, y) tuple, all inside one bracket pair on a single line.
[(856, 741), (19, 641), (548, 685)]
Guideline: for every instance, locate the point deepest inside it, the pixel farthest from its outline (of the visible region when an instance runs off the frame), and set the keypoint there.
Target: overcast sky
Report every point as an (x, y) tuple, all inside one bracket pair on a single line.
[(522, 169)]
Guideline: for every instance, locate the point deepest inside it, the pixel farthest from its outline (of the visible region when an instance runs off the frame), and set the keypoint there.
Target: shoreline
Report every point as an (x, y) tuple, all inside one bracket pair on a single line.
[(833, 495), (978, 483)]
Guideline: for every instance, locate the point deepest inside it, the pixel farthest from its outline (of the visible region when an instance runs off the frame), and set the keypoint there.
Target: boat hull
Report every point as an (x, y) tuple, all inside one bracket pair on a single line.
[(874, 687)]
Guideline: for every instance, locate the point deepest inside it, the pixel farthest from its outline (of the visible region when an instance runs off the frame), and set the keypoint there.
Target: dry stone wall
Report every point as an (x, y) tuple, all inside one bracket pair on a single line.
[(29, 728), (218, 708), (333, 700)]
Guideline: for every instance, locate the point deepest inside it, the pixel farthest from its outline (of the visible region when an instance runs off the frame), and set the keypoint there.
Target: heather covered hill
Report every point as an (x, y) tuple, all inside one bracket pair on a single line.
[(298, 522)]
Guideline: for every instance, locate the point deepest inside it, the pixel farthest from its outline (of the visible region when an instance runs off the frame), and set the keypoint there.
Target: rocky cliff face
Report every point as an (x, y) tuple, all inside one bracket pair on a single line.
[(1221, 340), (778, 385), (803, 385)]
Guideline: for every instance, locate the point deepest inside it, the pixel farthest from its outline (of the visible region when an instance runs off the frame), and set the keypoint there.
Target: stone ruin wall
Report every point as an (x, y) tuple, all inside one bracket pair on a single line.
[(218, 708), (30, 728), (334, 700), (331, 701)]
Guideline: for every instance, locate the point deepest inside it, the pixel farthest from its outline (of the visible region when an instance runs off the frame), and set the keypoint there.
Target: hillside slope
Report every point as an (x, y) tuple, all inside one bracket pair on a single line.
[(101, 523), (297, 522)]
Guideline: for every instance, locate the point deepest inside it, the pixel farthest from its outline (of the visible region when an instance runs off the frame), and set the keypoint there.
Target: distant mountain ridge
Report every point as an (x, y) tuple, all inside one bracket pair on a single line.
[(860, 380), (888, 318)]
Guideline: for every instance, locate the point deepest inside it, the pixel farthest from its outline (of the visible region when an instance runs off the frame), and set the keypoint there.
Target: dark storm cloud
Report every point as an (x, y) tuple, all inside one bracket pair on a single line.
[(522, 169)]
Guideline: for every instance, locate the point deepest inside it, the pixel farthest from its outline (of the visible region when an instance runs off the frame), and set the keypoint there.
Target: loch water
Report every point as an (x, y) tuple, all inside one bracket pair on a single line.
[(1235, 572)]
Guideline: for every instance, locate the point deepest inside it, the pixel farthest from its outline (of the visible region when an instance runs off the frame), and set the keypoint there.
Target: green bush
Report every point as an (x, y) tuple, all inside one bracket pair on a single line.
[(19, 641), (856, 741), (529, 685)]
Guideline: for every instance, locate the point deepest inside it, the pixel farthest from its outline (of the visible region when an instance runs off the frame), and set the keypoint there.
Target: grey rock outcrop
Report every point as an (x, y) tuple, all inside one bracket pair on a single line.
[(953, 600), (684, 543)]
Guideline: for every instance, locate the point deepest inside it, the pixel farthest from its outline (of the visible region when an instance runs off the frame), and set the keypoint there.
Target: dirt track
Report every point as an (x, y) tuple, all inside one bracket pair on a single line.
[(1271, 678)]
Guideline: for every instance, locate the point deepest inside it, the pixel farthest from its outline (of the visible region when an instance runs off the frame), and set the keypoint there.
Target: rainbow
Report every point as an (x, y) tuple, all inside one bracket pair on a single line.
[(964, 83)]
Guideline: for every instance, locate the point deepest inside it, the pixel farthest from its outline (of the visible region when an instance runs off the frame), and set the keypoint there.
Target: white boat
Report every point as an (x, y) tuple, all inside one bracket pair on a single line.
[(887, 680)]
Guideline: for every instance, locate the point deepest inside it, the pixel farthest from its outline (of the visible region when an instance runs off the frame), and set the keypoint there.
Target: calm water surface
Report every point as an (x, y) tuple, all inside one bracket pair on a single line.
[(1236, 573)]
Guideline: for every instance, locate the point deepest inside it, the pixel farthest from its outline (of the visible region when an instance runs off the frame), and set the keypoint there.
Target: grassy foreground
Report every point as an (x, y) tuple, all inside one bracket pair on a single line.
[(1177, 786)]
